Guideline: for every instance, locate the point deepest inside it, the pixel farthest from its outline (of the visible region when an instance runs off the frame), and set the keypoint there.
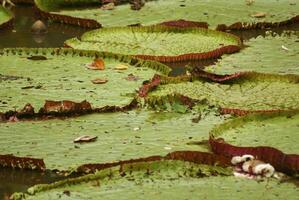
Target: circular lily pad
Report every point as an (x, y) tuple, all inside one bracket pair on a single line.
[(162, 180), (263, 12), (278, 131), (159, 43), (35, 75)]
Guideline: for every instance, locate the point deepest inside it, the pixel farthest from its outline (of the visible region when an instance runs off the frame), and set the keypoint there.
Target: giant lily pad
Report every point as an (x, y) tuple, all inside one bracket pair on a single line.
[(5, 17), (154, 12), (271, 137), (161, 180), (159, 43), (276, 131), (119, 137), (272, 54), (35, 75), (248, 91)]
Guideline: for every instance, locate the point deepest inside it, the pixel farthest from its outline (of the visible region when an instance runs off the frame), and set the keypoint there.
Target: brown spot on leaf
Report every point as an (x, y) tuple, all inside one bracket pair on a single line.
[(85, 138), (97, 64), (259, 15), (99, 81)]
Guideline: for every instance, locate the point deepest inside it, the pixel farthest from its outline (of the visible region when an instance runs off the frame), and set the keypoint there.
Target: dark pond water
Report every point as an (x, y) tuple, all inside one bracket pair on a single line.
[(20, 180), (20, 36)]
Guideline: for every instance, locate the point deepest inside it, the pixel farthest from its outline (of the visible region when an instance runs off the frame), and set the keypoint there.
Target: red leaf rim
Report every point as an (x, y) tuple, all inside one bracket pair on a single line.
[(257, 25), (287, 163), (190, 156), (78, 110), (88, 23), (22, 162), (181, 23), (194, 56)]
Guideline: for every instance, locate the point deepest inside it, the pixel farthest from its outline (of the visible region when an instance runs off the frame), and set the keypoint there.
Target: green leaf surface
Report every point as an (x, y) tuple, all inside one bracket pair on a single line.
[(214, 12), (154, 41), (251, 92), (279, 131), (64, 76), (164, 180), (5, 15), (121, 136), (271, 54)]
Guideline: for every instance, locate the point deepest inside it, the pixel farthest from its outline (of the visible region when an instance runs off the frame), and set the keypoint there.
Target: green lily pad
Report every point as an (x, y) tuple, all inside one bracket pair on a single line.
[(119, 137), (35, 75), (162, 180), (159, 43), (250, 92), (279, 131), (154, 12), (271, 54), (5, 16)]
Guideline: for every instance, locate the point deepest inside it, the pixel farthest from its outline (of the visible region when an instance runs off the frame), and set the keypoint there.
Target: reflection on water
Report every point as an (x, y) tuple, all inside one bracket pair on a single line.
[(21, 36), (20, 180)]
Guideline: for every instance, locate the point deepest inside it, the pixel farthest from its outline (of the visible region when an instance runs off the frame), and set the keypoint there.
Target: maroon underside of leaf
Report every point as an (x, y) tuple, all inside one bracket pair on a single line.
[(185, 24), (193, 56), (258, 25), (7, 25), (287, 163), (61, 109), (190, 156), (199, 73), (149, 86), (86, 23), (10, 161), (240, 112)]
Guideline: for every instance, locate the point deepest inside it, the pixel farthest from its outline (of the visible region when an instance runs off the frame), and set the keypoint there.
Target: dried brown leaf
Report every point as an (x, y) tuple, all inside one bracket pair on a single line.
[(99, 81)]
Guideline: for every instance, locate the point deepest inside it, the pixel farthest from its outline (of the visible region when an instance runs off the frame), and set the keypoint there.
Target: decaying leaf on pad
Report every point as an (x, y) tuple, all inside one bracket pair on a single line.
[(97, 64), (99, 81), (37, 58), (121, 67), (108, 6), (132, 77), (85, 138), (259, 15)]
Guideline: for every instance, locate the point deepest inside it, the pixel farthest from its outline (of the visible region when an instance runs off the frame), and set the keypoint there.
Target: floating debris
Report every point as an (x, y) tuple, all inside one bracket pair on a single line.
[(259, 15), (284, 48), (137, 4), (132, 77), (97, 64), (136, 128), (85, 138), (249, 2), (39, 27), (99, 81), (108, 6), (7, 1), (121, 67), (37, 58), (167, 148)]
